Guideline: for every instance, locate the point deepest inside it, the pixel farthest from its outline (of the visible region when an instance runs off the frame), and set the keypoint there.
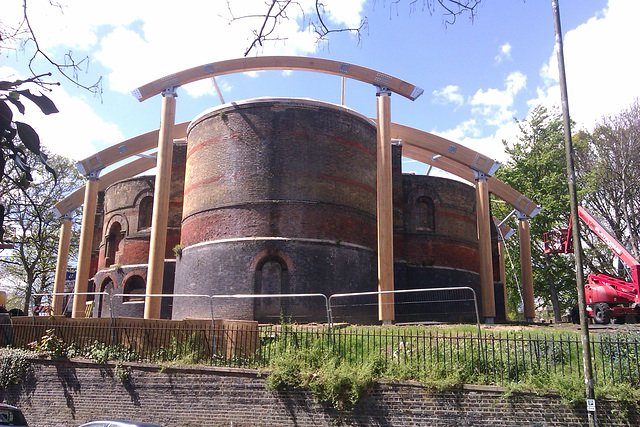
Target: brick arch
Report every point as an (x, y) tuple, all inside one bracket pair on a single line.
[(264, 255), (131, 295), (144, 211), (124, 223), (104, 300), (138, 272), (423, 204), (424, 192)]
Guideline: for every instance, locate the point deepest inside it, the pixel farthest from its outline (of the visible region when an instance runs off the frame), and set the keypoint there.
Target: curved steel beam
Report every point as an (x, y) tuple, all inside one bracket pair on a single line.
[(76, 199), (127, 148), (497, 187), (452, 150), (260, 63), (417, 145)]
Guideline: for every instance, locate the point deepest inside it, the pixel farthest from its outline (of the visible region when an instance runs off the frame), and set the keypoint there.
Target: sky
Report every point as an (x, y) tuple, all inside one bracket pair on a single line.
[(478, 75)]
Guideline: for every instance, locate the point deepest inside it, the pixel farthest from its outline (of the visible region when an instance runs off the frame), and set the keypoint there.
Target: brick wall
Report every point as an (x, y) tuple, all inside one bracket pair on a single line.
[(63, 393)]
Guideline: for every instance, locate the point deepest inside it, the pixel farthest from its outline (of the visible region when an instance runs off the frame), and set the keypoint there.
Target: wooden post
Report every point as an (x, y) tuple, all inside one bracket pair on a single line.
[(484, 237), (86, 244), (525, 267), (386, 309), (157, 245), (61, 265)]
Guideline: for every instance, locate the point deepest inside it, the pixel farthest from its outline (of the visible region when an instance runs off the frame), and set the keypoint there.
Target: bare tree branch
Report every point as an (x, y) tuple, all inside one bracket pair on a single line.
[(275, 14), (69, 68)]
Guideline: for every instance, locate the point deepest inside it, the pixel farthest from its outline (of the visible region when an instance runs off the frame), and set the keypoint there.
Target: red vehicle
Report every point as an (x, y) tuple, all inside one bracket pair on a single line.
[(607, 297)]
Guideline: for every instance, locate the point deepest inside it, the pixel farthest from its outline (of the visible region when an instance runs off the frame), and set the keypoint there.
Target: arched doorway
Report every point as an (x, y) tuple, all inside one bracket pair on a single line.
[(271, 278)]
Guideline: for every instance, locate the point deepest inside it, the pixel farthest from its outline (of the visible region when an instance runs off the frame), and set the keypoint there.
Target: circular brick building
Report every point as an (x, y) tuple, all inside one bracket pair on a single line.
[(125, 232), (279, 198)]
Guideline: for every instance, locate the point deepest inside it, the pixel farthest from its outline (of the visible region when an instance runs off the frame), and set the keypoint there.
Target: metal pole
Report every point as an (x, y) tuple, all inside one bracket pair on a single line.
[(575, 221)]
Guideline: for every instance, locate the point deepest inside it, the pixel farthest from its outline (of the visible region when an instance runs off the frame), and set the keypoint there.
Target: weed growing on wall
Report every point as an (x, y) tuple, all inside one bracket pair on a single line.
[(51, 345), (102, 353), (329, 378), (123, 373), (14, 366)]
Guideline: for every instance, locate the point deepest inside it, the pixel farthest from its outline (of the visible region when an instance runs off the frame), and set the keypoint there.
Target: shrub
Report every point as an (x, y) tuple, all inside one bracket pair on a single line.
[(14, 366)]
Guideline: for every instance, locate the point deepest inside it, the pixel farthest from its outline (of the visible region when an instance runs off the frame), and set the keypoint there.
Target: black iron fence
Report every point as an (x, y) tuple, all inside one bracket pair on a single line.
[(488, 357)]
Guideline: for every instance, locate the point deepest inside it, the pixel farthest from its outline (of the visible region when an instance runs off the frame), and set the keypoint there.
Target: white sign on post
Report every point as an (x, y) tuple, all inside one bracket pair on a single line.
[(591, 405)]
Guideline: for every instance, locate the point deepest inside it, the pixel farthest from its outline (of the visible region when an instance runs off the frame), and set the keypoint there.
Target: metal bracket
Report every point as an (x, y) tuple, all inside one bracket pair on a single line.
[(153, 156), (170, 91), (94, 176), (522, 216), (382, 91), (480, 176)]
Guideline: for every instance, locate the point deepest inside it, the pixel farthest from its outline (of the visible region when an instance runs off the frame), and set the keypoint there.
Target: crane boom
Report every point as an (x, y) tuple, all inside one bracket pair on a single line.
[(606, 297), (607, 238)]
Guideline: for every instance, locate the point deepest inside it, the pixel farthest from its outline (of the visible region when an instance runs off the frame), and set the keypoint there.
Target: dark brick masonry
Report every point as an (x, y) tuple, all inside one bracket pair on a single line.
[(62, 393)]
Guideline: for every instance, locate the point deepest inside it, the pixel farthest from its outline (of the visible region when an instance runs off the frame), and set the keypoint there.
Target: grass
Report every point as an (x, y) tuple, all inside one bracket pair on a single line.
[(340, 366)]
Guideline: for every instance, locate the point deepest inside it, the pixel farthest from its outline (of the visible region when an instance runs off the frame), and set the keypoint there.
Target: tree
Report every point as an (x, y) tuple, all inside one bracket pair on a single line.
[(31, 264), (275, 12), (537, 168), (610, 173)]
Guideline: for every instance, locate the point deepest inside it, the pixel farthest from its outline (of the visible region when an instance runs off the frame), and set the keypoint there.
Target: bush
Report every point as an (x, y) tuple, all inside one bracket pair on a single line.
[(14, 366)]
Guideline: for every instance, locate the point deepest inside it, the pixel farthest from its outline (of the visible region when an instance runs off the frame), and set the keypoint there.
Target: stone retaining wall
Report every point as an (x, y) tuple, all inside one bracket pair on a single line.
[(68, 393)]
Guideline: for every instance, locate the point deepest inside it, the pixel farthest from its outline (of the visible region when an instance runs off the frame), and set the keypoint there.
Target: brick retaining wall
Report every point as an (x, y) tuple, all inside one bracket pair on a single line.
[(68, 393)]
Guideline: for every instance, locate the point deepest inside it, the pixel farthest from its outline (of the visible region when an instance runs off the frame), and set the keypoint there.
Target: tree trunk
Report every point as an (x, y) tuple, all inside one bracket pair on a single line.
[(557, 317)]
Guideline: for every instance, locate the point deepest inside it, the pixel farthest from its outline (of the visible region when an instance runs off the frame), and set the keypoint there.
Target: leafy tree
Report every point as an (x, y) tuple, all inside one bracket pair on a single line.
[(610, 173), (537, 168), (31, 264)]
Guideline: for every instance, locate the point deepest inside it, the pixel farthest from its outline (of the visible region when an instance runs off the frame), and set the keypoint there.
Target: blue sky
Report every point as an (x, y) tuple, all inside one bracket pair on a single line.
[(477, 76)]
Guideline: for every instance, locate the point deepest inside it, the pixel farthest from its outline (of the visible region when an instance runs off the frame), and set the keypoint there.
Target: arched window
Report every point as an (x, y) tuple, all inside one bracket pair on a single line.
[(113, 240), (135, 289), (425, 214), (145, 212)]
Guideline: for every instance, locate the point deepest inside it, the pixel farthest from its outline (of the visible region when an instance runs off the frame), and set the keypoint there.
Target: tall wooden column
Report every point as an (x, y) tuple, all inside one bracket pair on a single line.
[(484, 237), (386, 309), (157, 245), (526, 272), (86, 243), (61, 264)]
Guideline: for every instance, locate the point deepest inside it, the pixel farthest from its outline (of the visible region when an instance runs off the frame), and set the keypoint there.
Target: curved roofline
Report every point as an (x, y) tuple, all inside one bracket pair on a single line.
[(417, 145), (261, 63)]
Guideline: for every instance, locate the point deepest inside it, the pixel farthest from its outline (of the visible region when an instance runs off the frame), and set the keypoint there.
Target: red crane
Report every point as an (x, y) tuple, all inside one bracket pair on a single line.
[(607, 297)]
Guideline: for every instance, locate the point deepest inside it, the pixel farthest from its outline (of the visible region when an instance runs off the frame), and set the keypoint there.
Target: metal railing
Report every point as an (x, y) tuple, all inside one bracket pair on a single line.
[(492, 357), (440, 301)]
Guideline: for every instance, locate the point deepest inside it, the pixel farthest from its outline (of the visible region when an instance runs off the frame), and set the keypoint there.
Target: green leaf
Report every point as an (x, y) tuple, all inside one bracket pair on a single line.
[(6, 115), (45, 104), (29, 137)]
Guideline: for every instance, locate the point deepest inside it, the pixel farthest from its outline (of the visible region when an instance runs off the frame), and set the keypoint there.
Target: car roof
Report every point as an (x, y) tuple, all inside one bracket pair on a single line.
[(7, 406), (118, 423)]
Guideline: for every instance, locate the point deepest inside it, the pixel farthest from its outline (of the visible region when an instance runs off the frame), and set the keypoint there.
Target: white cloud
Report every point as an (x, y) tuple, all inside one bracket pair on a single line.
[(602, 66), (494, 105), (76, 132), (141, 41), (449, 94), (504, 53), (347, 12)]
